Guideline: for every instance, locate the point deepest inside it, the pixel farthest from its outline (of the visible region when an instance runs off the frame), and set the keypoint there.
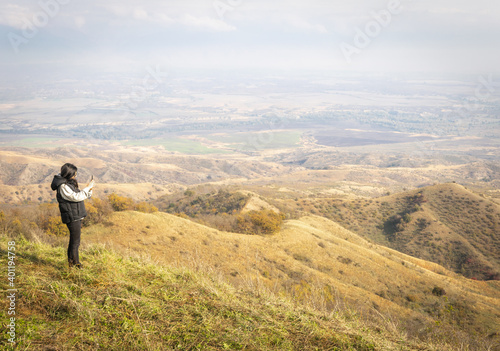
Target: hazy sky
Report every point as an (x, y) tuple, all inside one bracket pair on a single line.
[(461, 36)]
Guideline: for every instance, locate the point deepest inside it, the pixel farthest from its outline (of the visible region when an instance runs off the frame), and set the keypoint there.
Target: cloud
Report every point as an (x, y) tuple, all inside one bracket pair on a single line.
[(425, 34), (15, 16), (206, 23), (80, 21), (142, 15), (304, 25)]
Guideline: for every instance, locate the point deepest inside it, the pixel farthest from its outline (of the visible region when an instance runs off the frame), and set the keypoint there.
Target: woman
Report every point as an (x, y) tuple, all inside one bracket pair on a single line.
[(72, 207)]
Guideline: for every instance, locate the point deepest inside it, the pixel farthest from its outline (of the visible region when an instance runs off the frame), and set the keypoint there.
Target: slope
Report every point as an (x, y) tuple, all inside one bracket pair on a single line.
[(124, 303), (316, 261), (445, 223)]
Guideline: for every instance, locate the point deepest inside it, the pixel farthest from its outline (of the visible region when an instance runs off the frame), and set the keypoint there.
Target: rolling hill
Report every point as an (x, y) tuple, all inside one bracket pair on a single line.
[(446, 223), (419, 268), (121, 302), (315, 261), (144, 173)]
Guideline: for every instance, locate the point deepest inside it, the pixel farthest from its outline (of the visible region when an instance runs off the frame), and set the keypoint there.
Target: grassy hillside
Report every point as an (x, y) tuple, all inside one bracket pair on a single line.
[(316, 262), (122, 302), (445, 223), (342, 290)]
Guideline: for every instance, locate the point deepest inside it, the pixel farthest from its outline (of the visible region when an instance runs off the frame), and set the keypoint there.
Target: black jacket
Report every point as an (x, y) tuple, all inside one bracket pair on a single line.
[(70, 211)]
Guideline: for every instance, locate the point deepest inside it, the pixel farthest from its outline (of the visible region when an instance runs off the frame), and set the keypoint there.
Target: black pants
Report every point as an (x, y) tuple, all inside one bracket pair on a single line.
[(75, 229)]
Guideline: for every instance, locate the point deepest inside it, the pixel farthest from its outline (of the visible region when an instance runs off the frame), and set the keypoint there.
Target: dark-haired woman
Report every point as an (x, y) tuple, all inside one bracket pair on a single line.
[(72, 207)]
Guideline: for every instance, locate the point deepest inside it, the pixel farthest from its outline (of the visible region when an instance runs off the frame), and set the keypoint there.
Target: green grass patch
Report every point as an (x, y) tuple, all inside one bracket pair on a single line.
[(260, 141)]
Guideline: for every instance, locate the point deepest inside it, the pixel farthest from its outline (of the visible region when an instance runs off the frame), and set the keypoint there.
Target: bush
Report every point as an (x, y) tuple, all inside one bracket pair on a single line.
[(411, 298), (3, 222), (27, 221), (44, 211), (97, 211), (189, 193), (195, 205), (260, 222), (407, 218), (438, 291), (54, 226), (145, 207), (120, 203)]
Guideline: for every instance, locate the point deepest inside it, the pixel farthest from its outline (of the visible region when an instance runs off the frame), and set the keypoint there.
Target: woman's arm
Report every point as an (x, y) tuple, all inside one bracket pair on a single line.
[(68, 194)]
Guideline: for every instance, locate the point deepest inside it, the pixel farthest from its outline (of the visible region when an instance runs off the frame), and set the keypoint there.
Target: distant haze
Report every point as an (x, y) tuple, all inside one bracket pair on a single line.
[(440, 36)]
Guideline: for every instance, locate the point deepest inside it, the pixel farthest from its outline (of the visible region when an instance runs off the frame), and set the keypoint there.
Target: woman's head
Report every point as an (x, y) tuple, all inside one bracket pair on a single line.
[(68, 171)]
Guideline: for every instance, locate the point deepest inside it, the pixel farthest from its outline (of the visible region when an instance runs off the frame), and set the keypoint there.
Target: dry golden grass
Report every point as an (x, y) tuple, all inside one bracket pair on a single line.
[(452, 226), (122, 302), (257, 204), (139, 192), (315, 261), (26, 193), (37, 193), (19, 158)]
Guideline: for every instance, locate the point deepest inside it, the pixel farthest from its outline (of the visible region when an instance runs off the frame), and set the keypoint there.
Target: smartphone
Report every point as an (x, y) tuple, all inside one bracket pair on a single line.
[(91, 179)]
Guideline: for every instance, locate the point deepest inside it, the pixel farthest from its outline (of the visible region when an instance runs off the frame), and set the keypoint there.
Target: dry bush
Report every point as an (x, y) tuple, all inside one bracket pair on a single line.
[(145, 207), (98, 211), (54, 226), (260, 222), (120, 203)]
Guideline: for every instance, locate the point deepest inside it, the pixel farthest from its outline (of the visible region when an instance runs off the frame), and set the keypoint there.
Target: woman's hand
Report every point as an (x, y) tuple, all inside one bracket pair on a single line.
[(91, 184)]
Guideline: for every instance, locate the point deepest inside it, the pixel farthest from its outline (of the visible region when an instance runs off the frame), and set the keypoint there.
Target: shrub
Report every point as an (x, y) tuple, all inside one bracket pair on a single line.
[(54, 226), (145, 207), (438, 291), (301, 258), (260, 222), (16, 226), (189, 193), (195, 205), (97, 211), (44, 211), (407, 218), (120, 203), (411, 298), (344, 260), (3, 222)]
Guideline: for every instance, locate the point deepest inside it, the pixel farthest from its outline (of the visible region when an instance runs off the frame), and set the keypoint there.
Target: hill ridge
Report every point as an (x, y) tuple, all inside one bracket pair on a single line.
[(445, 223)]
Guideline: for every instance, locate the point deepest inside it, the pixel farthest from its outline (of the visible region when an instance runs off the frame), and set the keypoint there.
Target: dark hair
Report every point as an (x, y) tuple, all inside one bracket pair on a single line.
[(68, 171)]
